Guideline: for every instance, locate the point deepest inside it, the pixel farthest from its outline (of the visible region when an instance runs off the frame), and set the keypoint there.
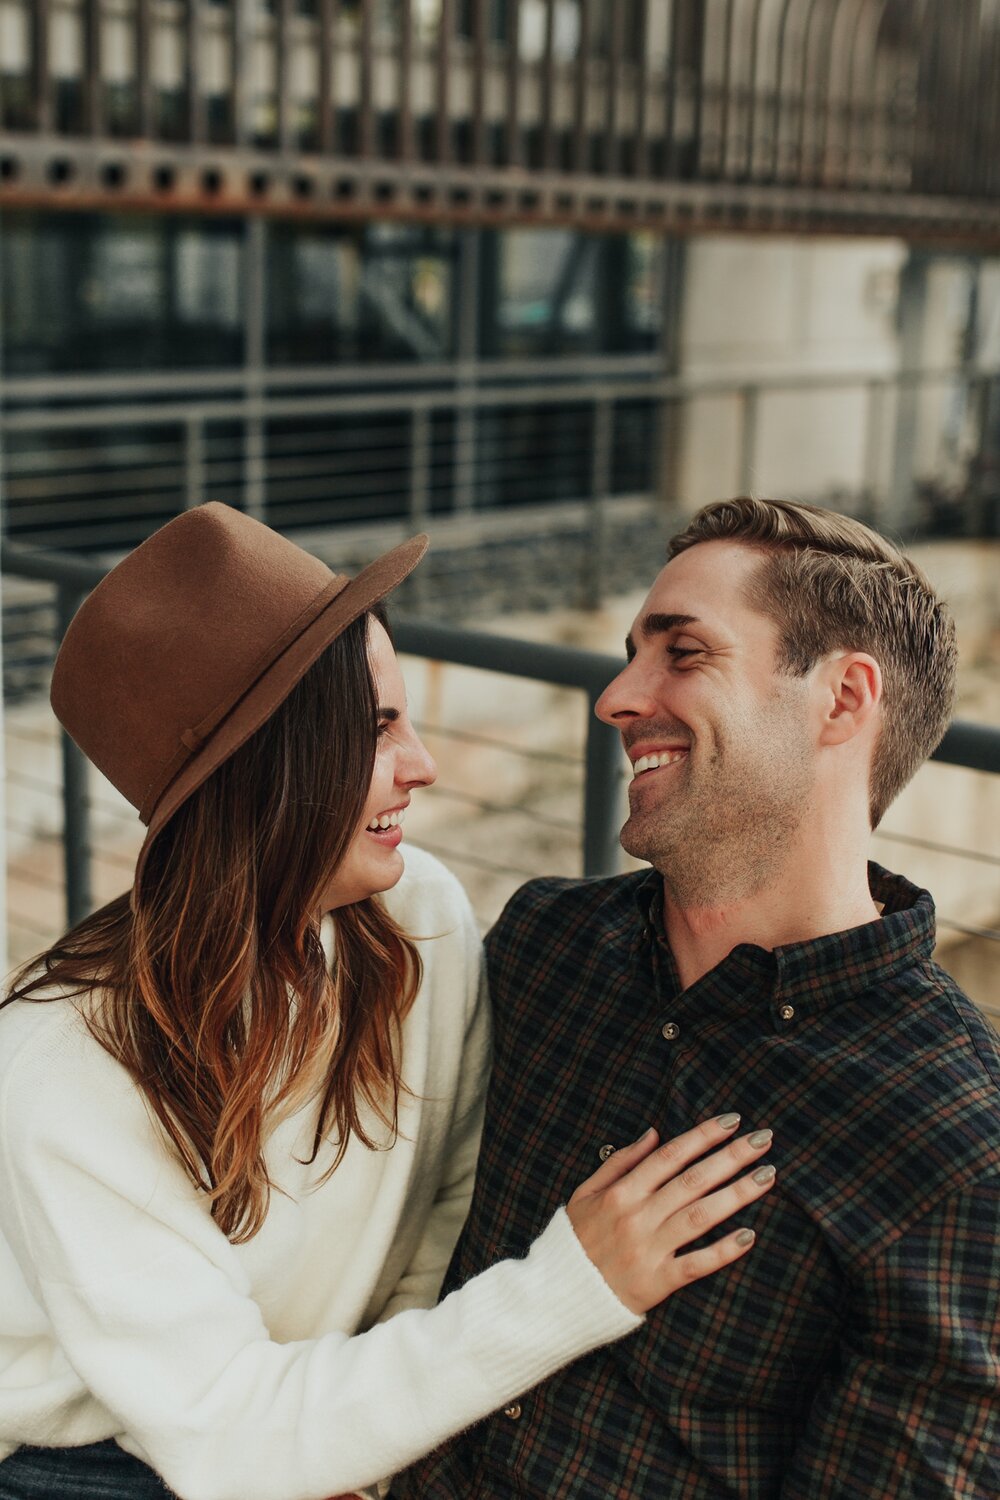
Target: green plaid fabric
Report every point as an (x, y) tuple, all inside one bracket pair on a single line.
[(856, 1351)]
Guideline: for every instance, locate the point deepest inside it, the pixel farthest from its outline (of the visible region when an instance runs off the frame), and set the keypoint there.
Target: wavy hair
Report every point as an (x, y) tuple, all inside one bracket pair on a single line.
[(212, 988)]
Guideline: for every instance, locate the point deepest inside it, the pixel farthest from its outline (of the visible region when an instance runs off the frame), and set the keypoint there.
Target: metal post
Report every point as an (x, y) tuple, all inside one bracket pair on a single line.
[(420, 488), (874, 424), (467, 323), (255, 356), (600, 488), (76, 807), (911, 319), (420, 467), (601, 797), (194, 461), (749, 404)]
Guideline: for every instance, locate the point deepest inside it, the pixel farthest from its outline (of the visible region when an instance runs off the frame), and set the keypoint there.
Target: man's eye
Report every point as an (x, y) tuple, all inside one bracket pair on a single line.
[(683, 651)]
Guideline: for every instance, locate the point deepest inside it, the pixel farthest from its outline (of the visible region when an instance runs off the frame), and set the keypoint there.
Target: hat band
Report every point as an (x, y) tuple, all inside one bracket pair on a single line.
[(193, 739)]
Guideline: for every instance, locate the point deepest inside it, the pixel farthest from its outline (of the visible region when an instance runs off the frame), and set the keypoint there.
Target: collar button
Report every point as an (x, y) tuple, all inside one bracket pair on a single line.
[(786, 1012)]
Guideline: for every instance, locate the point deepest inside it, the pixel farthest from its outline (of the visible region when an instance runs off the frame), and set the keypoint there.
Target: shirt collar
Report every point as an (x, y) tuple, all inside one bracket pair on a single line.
[(814, 974)]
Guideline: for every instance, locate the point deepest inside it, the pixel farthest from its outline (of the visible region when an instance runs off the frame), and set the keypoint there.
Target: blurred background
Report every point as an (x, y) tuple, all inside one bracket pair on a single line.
[(540, 277)]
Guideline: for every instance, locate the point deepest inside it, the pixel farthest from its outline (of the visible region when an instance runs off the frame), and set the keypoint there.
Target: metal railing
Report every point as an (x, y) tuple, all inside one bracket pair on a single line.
[(775, 114), (99, 461), (974, 746)]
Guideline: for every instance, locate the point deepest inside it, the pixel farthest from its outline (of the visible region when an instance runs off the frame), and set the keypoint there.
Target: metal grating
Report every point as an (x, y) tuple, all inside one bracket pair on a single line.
[(860, 116)]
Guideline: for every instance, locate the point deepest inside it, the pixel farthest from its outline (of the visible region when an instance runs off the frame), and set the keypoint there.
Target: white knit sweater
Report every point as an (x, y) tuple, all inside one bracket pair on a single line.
[(309, 1361)]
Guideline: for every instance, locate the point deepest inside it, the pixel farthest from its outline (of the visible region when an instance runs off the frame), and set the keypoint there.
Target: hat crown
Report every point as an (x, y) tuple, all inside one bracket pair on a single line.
[(174, 635)]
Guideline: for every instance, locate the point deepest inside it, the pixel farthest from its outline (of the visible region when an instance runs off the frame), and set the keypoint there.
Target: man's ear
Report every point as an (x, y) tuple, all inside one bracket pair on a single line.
[(851, 684)]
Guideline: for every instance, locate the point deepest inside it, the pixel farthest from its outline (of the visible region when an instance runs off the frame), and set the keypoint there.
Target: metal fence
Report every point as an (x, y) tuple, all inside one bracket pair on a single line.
[(585, 818), (876, 115), (98, 462)]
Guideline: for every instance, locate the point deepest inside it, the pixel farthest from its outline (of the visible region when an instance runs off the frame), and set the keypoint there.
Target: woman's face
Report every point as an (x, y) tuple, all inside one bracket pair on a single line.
[(373, 862)]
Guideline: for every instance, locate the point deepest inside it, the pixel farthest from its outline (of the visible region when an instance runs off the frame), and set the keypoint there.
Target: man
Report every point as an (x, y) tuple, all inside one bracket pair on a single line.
[(788, 673)]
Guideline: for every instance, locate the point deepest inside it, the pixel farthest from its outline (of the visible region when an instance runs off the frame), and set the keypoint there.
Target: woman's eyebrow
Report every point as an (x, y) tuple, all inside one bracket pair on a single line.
[(389, 714)]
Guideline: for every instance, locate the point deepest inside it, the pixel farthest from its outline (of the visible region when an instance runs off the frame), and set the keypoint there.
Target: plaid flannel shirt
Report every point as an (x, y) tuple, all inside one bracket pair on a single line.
[(856, 1351)]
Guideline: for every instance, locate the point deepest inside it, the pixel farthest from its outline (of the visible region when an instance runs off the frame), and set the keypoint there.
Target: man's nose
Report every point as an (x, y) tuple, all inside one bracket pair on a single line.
[(627, 696)]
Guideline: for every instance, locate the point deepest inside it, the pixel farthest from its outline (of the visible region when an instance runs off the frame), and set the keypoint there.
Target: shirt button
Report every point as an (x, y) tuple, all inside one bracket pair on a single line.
[(606, 1151), (786, 1012), (671, 1031), (513, 1411)]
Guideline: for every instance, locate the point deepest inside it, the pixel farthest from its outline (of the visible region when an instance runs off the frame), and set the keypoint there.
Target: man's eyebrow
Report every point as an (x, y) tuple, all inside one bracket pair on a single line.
[(651, 625)]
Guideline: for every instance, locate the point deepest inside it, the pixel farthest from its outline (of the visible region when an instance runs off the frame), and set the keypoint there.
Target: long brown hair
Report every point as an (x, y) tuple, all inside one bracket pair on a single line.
[(212, 987)]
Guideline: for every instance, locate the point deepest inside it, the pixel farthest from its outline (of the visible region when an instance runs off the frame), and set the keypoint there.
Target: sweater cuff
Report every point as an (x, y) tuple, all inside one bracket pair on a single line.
[(564, 1309)]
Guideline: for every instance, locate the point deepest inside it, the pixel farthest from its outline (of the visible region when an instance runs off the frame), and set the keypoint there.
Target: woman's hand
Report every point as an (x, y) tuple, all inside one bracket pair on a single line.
[(647, 1201)]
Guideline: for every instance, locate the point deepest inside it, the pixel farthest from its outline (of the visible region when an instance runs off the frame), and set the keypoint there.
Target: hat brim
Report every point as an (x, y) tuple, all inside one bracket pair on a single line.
[(273, 686)]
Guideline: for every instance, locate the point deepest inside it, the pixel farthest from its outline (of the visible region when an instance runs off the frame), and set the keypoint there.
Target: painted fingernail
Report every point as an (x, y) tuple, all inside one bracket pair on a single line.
[(760, 1138), (763, 1174), (745, 1237), (728, 1122)]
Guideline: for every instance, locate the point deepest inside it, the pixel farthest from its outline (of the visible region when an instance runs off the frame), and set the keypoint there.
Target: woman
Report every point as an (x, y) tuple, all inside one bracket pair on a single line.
[(238, 1137)]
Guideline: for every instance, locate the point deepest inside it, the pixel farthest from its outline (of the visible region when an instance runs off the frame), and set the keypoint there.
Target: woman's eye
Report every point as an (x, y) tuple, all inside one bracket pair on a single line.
[(382, 728)]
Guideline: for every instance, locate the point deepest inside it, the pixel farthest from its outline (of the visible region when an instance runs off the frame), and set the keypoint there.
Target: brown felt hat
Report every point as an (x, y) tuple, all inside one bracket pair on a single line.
[(192, 641)]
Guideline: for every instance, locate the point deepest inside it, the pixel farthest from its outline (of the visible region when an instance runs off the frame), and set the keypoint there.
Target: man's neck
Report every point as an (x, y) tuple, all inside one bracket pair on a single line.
[(805, 900)]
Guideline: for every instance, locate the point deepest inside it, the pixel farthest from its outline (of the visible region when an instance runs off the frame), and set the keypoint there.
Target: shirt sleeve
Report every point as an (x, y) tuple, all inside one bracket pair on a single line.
[(914, 1409), (151, 1307)]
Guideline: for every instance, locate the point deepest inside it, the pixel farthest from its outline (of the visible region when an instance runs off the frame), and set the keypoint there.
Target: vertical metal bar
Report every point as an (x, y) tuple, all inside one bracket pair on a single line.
[(420, 486), (406, 65), (548, 85), (640, 156), (481, 156), (467, 323), (93, 112), (366, 114), (581, 123), (801, 173), (420, 467), (192, 73), (446, 30), (613, 76), (600, 489), (752, 100), (194, 461), (326, 113), (143, 70), (749, 411), (875, 392), (779, 74), (513, 126), (76, 806), (255, 355), (282, 75), (727, 84), (601, 796), (41, 67)]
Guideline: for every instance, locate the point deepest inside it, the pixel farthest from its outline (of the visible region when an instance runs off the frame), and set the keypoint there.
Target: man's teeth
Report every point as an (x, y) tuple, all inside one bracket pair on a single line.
[(650, 762), (387, 820)]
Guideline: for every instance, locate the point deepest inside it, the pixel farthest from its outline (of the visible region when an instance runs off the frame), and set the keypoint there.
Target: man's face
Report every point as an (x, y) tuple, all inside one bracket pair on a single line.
[(724, 763)]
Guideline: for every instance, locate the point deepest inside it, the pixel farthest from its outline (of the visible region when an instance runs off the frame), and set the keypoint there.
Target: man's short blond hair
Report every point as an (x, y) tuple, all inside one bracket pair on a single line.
[(830, 583)]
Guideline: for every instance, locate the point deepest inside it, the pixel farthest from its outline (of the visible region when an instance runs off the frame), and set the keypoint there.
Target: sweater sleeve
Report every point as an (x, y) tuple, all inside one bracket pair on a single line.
[(420, 1283), (152, 1308)]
